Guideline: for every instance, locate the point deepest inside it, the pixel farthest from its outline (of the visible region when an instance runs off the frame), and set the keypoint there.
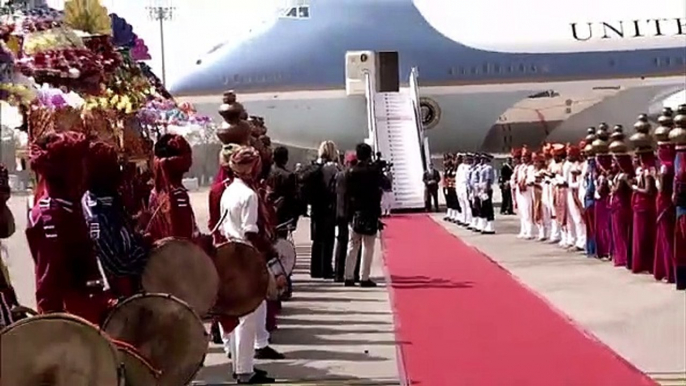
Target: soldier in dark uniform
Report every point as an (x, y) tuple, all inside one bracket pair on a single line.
[(67, 275)]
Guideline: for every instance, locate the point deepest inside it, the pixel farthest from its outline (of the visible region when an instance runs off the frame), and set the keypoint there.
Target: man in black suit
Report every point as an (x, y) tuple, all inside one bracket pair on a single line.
[(431, 179), (505, 188)]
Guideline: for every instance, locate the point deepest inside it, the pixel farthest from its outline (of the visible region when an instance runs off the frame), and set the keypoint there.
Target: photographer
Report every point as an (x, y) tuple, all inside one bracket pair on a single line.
[(364, 184), (387, 188)]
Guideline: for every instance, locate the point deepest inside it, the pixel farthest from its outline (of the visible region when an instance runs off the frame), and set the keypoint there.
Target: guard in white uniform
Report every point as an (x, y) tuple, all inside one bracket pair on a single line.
[(462, 186), (575, 223), (514, 183), (526, 195)]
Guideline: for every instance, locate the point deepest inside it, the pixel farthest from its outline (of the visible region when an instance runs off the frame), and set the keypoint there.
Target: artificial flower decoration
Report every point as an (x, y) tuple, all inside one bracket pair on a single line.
[(122, 32), (87, 16)]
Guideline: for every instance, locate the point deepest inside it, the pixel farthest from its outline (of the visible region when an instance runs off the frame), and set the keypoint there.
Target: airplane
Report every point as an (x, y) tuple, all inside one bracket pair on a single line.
[(492, 73)]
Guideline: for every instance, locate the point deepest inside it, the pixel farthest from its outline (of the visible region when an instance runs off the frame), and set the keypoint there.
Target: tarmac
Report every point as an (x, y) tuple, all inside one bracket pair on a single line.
[(641, 319), (332, 335)]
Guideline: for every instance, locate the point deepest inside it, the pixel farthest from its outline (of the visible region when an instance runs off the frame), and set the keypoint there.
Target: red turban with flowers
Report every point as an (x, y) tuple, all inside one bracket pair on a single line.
[(58, 159)]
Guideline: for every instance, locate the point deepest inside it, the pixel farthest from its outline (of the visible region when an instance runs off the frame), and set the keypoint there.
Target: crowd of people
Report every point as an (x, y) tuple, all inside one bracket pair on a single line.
[(345, 194), (468, 188), (598, 198), (90, 249)]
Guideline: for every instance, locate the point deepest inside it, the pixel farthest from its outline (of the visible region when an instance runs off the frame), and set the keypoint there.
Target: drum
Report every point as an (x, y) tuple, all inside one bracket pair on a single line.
[(181, 268), (57, 350), (287, 255), (244, 279), (137, 370), (165, 331), (278, 283)]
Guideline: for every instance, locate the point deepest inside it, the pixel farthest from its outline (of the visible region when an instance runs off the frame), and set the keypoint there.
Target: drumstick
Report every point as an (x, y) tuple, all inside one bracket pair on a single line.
[(219, 223)]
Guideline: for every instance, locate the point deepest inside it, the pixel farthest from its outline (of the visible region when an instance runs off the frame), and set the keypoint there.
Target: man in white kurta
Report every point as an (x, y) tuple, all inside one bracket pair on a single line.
[(241, 205), (575, 221)]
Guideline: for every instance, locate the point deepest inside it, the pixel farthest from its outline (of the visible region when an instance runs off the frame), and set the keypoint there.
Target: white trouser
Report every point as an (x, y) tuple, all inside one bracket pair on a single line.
[(466, 210), (241, 342), (575, 223), (355, 242), (525, 207), (386, 202), (261, 333), (544, 225), (554, 222), (517, 197)]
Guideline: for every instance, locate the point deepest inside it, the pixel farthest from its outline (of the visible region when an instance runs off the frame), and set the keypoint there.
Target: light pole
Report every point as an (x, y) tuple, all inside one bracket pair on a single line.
[(161, 11)]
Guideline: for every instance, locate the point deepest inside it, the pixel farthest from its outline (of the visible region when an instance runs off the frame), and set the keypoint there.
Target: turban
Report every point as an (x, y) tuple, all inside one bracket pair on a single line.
[(526, 153), (173, 158), (52, 154), (58, 159), (350, 158), (573, 151), (225, 154), (539, 156), (103, 165), (516, 153), (245, 163), (559, 150)]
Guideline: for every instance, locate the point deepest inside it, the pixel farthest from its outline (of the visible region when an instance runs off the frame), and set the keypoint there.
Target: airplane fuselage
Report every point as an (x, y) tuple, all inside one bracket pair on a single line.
[(475, 63)]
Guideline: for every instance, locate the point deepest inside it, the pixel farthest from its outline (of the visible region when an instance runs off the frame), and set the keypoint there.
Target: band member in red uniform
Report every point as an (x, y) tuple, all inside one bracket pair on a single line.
[(67, 274), (171, 211), (663, 267), (678, 137), (643, 201), (620, 203), (121, 251)]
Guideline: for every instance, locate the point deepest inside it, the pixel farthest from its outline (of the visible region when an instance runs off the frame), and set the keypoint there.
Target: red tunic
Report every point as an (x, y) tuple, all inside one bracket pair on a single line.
[(65, 266), (172, 215), (215, 197)]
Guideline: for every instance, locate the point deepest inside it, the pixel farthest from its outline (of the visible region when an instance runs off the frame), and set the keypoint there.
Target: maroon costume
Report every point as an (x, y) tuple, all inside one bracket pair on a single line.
[(678, 137), (663, 267), (67, 274), (170, 206)]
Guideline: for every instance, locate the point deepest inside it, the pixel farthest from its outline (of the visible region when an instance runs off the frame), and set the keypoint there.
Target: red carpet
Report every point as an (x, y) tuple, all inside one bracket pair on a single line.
[(464, 321)]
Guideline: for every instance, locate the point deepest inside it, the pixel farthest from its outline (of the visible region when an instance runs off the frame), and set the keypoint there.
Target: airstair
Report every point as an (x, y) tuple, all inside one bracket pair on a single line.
[(398, 141), (393, 121)]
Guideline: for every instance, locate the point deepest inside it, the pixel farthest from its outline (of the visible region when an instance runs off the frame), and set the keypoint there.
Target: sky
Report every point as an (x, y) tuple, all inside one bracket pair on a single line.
[(196, 26)]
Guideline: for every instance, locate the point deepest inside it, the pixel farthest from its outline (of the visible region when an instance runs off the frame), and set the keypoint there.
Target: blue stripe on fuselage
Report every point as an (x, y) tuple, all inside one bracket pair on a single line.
[(309, 54)]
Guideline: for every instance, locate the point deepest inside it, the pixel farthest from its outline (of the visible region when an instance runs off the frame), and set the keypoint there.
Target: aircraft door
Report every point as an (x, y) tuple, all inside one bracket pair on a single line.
[(388, 74)]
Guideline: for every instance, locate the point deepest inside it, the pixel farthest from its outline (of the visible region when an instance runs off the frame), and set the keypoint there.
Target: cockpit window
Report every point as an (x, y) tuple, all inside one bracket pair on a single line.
[(295, 9)]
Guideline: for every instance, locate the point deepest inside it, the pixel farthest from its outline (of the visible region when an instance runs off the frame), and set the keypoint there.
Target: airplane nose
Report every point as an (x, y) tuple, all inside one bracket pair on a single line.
[(189, 83)]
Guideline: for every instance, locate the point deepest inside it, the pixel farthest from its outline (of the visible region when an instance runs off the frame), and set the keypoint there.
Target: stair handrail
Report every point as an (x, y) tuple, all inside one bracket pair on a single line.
[(371, 110), (414, 95)]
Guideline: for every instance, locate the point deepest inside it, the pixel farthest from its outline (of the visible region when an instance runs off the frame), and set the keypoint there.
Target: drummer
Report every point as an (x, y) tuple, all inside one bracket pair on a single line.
[(171, 214), (67, 274), (121, 251), (240, 202)]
